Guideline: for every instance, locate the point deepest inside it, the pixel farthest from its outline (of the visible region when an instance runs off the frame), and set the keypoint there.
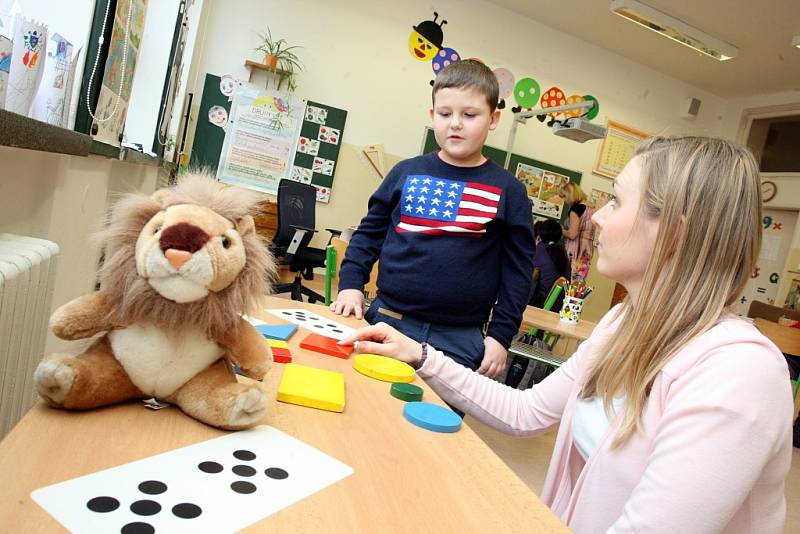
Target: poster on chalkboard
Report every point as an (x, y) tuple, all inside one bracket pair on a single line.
[(318, 148), (260, 139)]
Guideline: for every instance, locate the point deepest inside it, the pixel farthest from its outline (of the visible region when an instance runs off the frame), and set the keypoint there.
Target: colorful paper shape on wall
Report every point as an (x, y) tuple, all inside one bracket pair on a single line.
[(574, 99), (526, 92), (592, 113), (505, 80), (443, 58), (553, 97), (426, 39)]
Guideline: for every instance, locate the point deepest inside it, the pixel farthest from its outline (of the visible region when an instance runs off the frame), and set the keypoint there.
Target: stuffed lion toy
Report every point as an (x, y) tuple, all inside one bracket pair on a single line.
[(180, 268)]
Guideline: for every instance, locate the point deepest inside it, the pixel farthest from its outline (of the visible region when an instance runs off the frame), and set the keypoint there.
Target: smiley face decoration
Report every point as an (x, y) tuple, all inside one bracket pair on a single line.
[(426, 39)]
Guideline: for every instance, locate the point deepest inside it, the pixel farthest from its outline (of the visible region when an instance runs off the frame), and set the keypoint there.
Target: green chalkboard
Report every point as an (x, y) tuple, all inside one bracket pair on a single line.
[(429, 144), (208, 138)]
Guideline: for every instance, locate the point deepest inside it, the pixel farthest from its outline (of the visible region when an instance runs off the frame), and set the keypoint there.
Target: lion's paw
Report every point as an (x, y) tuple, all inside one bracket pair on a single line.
[(53, 379), (248, 407)]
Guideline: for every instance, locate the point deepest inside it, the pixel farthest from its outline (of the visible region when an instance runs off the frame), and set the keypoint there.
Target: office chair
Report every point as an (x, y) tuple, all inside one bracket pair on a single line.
[(296, 220)]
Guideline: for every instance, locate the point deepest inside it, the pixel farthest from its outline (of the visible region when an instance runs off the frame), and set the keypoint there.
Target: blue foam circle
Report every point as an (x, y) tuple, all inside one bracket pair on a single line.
[(431, 416)]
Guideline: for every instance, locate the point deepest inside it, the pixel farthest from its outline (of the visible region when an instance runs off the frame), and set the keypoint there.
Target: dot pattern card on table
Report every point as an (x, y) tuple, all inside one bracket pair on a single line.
[(312, 387), (313, 322), (220, 485), (326, 345)]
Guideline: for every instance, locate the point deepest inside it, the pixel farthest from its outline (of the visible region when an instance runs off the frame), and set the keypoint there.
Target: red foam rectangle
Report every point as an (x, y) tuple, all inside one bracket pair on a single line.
[(281, 355), (326, 345)]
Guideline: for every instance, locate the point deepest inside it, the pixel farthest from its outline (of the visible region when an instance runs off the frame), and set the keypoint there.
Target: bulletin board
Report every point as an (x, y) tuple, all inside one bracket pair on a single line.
[(617, 149), (543, 181), (209, 136), (429, 144), (318, 148)]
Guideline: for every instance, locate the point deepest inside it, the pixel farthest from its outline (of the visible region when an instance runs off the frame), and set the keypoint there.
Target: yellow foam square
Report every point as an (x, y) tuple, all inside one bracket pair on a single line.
[(277, 343), (309, 386)]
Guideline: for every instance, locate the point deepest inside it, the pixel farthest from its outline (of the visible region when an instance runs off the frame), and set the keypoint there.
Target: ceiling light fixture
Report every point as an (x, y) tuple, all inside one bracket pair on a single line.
[(796, 41), (674, 29)]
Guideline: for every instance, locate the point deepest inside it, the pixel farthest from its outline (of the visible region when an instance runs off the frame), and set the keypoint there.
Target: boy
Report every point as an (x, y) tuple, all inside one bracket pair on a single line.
[(452, 232)]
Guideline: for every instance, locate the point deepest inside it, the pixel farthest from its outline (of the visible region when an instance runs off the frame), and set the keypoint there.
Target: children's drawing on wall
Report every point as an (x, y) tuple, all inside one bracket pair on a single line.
[(598, 198), (5, 66), (116, 86), (26, 69), (48, 106), (543, 189)]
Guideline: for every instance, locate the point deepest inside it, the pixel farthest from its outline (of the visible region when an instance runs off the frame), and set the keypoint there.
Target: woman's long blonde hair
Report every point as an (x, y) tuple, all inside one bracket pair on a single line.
[(573, 193), (707, 195)]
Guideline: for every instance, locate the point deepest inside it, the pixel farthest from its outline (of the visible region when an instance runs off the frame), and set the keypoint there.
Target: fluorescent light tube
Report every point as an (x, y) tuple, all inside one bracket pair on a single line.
[(796, 41), (674, 29)]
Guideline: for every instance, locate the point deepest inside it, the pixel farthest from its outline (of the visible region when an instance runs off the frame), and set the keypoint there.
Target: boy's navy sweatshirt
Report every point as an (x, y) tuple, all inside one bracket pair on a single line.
[(454, 243)]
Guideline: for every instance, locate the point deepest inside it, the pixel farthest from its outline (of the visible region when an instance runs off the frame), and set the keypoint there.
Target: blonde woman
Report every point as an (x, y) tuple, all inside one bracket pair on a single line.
[(579, 232), (675, 415)]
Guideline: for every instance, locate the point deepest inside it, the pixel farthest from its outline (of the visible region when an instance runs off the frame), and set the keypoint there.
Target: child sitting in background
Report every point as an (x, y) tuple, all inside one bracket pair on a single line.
[(551, 260)]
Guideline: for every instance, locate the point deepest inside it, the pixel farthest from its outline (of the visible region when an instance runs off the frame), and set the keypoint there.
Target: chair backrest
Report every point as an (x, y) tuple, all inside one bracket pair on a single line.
[(554, 292), (297, 203)]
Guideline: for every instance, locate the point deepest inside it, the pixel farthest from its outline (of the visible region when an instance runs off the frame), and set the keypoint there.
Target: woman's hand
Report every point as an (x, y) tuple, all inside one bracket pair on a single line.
[(383, 340)]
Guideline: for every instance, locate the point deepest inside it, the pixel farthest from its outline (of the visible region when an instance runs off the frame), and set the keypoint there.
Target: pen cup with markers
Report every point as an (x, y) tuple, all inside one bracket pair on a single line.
[(574, 296)]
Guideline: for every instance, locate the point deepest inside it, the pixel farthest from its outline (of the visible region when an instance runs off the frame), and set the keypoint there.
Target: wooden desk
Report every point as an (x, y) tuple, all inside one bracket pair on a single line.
[(787, 338), (406, 478), (551, 322)]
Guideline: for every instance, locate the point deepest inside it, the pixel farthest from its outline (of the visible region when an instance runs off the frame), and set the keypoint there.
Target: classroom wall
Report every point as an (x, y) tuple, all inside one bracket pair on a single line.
[(64, 198), (356, 58)]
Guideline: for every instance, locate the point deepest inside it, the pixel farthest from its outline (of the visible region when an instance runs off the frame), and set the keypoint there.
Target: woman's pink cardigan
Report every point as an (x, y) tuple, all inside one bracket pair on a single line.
[(712, 456)]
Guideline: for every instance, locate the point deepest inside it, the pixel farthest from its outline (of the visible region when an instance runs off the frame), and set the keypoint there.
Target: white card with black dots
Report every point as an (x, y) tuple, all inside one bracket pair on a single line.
[(220, 485), (313, 322)]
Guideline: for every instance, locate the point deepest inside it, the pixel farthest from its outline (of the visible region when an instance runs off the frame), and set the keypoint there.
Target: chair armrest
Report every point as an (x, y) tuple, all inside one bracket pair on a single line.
[(305, 228)]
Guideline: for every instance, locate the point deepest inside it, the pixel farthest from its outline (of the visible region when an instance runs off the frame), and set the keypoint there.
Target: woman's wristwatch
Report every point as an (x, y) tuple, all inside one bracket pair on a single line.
[(423, 356)]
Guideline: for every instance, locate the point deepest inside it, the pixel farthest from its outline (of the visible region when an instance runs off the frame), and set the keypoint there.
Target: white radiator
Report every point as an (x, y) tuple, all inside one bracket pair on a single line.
[(27, 276)]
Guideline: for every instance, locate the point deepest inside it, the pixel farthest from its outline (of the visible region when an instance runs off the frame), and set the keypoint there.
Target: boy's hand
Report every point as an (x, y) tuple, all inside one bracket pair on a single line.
[(383, 340), (349, 301), (494, 358)]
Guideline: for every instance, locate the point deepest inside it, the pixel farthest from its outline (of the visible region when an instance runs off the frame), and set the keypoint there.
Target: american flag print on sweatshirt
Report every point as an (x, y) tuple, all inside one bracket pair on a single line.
[(438, 206)]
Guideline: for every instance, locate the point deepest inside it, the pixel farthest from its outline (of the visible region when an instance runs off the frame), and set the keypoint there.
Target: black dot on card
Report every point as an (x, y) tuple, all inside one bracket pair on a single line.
[(145, 507), (245, 455), (240, 486), (244, 470), (337, 331), (137, 528), (318, 326), (277, 473), (102, 505), (186, 510), (210, 467), (152, 487), (314, 318), (286, 313)]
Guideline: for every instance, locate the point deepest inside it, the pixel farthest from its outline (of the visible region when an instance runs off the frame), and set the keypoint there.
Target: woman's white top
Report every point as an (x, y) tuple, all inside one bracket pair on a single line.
[(590, 423)]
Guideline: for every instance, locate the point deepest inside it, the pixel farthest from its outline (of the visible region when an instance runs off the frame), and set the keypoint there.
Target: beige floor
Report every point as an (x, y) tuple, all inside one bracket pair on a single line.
[(529, 457)]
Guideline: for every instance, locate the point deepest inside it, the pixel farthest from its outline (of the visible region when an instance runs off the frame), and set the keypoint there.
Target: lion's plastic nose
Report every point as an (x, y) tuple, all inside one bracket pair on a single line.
[(177, 257)]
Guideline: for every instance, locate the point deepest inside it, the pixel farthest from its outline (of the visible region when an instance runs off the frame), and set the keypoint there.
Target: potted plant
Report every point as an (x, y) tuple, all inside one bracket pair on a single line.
[(279, 56)]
